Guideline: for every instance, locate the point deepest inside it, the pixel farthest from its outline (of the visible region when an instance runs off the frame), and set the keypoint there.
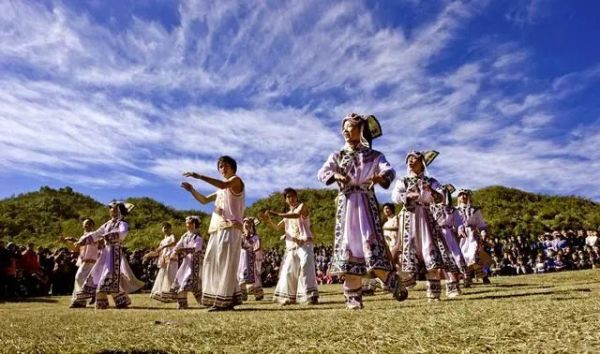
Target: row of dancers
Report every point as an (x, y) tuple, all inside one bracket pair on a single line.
[(428, 235)]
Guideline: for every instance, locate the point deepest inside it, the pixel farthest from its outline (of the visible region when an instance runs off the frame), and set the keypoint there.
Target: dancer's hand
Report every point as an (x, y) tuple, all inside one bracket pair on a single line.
[(192, 174), (187, 186), (413, 195), (376, 179), (343, 179), (264, 216)]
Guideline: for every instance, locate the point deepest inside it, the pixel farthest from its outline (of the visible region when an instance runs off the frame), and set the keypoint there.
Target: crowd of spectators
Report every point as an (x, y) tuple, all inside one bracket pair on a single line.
[(25, 271), (550, 252)]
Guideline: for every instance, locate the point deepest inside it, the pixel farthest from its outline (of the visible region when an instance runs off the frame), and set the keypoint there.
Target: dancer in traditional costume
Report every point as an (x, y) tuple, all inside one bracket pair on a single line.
[(111, 274), (189, 275), (250, 282), (472, 229), (297, 277), (390, 229), (88, 255), (449, 221), (423, 244), (167, 266), (390, 233), (359, 246), (221, 289)]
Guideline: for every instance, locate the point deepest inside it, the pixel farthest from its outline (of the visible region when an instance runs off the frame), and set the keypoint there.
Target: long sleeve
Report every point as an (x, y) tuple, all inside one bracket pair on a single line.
[(329, 168), (456, 219), (178, 246), (247, 243), (477, 219), (123, 230), (256, 243), (385, 170), (198, 242), (399, 192)]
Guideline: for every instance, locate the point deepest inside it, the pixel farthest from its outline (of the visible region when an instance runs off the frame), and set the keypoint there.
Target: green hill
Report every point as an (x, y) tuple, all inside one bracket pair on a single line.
[(511, 211), (42, 216)]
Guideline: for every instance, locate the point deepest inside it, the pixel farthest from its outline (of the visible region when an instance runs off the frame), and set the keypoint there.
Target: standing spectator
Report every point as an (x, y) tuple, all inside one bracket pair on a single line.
[(31, 268), (592, 238), (5, 261)]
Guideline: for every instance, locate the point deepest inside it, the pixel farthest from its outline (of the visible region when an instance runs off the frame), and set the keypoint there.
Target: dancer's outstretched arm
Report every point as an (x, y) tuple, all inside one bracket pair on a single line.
[(235, 184), (203, 199)]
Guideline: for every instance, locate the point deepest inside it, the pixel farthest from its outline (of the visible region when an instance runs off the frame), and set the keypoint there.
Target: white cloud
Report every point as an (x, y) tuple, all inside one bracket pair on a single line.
[(268, 84)]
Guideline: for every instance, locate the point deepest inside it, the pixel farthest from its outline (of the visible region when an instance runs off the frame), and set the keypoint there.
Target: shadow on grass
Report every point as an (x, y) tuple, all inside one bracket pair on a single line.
[(31, 299), (535, 293), (509, 296), (162, 308), (132, 351)]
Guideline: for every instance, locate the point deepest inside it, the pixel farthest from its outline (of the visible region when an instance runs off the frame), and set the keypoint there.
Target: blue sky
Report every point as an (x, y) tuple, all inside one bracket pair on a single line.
[(118, 98)]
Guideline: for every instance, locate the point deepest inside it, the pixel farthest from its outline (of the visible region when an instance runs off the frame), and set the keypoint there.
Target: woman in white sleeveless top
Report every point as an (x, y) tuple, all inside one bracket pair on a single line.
[(221, 290), (297, 277), (167, 266)]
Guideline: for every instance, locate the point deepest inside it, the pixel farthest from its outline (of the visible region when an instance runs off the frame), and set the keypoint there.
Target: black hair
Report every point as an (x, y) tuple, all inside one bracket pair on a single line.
[(123, 209), (167, 224), (391, 206), (228, 160), (88, 219), (196, 222), (289, 190)]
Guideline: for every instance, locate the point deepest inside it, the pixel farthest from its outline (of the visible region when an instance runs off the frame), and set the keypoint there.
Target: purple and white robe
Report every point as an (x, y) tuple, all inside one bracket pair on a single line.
[(424, 248), (189, 275), (359, 245)]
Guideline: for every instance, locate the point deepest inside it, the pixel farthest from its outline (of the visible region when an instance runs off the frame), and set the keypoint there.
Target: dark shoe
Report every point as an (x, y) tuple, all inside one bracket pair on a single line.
[(486, 280), (368, 291), (76, 305), (401, 294)]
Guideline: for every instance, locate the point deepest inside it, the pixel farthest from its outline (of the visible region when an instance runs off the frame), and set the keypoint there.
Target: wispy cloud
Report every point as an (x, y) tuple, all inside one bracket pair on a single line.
[(267, 82)]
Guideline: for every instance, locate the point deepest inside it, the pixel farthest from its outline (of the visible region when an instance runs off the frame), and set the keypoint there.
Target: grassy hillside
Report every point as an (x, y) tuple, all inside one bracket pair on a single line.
[(511, 211), (44, 215)]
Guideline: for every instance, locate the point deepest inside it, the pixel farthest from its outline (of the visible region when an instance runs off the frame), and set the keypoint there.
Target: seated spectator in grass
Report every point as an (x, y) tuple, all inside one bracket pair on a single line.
[(521, 267)]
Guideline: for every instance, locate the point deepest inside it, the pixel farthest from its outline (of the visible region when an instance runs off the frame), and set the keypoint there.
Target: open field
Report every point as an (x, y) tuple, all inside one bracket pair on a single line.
[(557, 312)]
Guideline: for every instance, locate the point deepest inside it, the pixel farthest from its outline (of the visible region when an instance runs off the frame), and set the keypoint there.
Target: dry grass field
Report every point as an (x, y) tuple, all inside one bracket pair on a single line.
[(557, 312)]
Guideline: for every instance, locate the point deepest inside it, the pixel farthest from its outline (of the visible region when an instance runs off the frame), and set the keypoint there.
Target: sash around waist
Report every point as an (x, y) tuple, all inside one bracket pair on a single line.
[(350, 189)]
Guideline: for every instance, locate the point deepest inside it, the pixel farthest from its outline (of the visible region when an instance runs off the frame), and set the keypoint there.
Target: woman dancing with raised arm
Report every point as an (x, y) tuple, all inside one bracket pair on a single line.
[(221, 290), (297, 277)]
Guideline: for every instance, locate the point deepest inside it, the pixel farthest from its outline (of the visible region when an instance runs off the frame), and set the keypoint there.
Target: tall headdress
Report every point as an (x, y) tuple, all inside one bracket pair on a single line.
[(426, 157), (253, 221), (448, 189), (123, 208), (369, 127), (468, 192)]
